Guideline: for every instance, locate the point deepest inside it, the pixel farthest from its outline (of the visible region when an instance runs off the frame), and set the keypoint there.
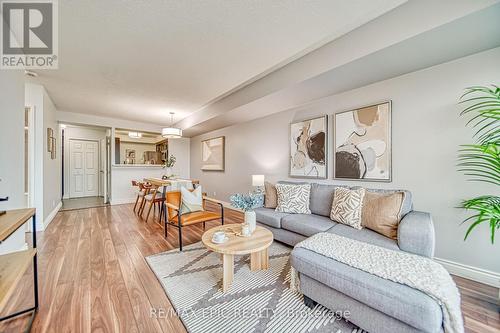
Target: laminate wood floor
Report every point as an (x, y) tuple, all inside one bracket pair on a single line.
[(80, 203), (93, 277)]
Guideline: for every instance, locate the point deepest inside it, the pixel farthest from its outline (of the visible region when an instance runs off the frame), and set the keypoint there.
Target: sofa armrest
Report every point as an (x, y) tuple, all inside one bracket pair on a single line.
[(416, 234)]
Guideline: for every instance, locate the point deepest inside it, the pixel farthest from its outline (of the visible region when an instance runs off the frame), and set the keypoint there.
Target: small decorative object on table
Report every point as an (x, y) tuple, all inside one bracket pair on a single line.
[(247, 203), (245, 230), (2, 212), (219, 237), (169, 164)]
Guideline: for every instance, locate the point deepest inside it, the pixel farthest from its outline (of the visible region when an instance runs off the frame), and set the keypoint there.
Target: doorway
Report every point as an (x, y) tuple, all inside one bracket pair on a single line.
[(85, 168), (29, 160)]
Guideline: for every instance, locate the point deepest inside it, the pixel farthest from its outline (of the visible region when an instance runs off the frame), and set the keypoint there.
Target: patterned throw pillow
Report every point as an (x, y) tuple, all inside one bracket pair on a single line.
[(192, 201), (347, 206), (293, 198)]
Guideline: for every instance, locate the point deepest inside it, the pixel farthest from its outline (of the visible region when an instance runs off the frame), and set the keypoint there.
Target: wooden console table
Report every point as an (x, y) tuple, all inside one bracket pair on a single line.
[(14, 265)]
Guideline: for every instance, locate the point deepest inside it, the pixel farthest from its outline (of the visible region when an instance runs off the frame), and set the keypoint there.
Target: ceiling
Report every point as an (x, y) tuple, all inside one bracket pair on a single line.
[(477, 31), (140, 60)]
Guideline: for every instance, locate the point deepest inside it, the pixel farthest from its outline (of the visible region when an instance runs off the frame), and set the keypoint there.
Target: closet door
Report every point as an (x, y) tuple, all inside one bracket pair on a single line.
[(91, 169), (84, 168)]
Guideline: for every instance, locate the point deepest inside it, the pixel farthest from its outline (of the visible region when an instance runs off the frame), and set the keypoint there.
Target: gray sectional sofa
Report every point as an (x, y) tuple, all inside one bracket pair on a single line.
[(374, 304)]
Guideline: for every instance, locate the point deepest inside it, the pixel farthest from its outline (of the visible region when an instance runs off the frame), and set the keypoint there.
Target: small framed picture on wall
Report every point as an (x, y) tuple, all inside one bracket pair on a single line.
[(50, 135), (53, 150)]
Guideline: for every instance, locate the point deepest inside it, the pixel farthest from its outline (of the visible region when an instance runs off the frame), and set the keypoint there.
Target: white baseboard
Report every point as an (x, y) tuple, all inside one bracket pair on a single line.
[(51, 216), (471, 272), (121, 201)]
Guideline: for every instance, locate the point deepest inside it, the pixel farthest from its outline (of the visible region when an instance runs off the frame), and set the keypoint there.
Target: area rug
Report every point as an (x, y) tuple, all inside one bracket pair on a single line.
[(258, 301)]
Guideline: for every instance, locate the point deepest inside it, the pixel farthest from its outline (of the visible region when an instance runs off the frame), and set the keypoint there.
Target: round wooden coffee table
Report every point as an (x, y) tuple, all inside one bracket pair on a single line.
[(256, 245)]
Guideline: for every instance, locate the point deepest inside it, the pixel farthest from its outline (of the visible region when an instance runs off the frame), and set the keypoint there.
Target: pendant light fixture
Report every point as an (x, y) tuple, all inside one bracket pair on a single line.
[(171, 132)]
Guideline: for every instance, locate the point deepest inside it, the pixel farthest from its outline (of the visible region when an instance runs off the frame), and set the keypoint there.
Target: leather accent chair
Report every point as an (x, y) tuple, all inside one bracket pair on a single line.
[(179, 219)]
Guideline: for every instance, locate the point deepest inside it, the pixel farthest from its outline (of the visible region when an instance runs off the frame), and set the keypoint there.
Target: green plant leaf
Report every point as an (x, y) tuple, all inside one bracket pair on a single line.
[(481, 161)]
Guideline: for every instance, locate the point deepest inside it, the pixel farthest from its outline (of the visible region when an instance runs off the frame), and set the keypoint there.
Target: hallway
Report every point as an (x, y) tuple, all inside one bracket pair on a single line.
[(81, 203)]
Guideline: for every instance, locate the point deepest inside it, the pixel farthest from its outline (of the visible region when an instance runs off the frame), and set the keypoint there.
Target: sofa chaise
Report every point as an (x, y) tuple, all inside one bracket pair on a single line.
[(373, 303)]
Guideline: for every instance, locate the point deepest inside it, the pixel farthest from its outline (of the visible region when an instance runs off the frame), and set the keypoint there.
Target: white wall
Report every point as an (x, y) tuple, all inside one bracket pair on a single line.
[(12, 150), (51, 167), (34, 100), (47, 173), (80, 133), (426, 132), (122, 190), (180, 148)]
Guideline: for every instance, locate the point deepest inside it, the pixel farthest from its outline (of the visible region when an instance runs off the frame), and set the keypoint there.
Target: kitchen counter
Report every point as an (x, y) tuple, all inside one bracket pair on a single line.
[(137, 166)]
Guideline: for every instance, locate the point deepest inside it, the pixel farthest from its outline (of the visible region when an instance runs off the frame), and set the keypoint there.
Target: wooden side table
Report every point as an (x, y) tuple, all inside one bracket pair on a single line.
[(14, 265), (256, 245)]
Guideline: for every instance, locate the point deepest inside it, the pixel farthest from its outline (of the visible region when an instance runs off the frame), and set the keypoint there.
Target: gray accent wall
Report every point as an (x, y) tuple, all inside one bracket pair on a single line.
[(426, 132)]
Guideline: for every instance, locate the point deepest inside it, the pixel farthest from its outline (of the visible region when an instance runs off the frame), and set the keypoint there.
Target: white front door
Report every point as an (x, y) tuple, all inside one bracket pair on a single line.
[(84, 168)]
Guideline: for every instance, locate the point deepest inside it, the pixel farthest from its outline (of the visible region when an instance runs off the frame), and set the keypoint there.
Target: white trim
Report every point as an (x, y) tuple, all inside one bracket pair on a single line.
[(49, 218), (122, 201), (471, 272)]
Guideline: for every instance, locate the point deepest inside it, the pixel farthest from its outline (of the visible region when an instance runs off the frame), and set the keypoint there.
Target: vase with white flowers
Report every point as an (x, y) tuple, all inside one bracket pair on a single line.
[(247, 203), (169, 164)]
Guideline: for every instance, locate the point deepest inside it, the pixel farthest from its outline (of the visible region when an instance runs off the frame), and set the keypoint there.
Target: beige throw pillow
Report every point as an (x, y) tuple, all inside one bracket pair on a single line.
[(192, 201), (271, 196), (347, 206), (382, 213)]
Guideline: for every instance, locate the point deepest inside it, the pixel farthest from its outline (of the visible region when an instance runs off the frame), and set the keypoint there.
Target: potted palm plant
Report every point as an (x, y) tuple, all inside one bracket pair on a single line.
[(481, 161)]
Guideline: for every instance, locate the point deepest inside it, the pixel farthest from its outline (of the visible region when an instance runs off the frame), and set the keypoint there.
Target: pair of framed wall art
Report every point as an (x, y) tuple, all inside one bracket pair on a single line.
[(361, 145)]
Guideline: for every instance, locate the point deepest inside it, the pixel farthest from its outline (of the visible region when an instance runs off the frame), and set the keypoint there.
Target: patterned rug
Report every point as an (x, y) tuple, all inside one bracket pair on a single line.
[(258, 301)]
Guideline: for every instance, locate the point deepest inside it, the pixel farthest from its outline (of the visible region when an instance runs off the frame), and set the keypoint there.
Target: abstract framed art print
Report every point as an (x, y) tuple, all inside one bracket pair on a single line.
[(213, 154), (362, 143), (308, 148)]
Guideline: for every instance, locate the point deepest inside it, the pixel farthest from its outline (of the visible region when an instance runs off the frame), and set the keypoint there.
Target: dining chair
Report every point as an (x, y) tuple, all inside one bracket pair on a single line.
[(153, 197), (143, 189), (178, 219)]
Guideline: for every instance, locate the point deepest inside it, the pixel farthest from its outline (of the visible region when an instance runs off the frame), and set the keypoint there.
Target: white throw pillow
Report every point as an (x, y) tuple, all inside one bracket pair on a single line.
[(347, 206), (293, 198), (191, 201)]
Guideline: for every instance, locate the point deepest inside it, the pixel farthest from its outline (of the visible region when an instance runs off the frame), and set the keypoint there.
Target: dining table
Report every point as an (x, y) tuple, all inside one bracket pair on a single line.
[(174, 184)]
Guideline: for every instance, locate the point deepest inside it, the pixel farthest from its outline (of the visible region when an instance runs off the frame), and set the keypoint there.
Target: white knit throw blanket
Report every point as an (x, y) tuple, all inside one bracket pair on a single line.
[(415, 271)]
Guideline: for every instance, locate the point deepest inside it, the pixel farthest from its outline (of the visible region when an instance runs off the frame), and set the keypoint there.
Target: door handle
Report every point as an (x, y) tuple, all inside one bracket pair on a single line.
[(4, 199)]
